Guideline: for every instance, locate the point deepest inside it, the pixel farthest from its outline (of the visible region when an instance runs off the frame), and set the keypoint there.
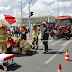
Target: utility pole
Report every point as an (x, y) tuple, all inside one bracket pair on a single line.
[(21, 10), (29, 19), (58, 7)]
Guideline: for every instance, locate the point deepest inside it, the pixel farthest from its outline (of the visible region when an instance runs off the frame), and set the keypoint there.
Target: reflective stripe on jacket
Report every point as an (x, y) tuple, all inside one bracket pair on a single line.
[(24, 44), (3, 35)]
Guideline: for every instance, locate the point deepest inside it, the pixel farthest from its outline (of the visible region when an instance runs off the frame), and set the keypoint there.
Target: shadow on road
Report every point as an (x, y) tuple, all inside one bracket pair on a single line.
[(55, 52), (30, 53), (42, 49), (11, 67), (70, 60)]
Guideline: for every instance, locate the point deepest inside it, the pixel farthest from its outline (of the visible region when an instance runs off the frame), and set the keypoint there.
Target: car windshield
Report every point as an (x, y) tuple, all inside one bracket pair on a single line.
[(63, 22)]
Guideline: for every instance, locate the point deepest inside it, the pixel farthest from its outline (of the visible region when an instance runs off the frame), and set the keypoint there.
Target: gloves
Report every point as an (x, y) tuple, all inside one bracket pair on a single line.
[(41, 38)]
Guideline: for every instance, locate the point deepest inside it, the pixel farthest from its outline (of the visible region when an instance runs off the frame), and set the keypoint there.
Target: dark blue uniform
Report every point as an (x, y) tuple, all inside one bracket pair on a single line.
[(44, 38)]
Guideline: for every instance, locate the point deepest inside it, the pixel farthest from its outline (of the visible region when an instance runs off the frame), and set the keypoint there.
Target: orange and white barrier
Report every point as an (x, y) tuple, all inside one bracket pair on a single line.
[(67, 56), (59, 68)]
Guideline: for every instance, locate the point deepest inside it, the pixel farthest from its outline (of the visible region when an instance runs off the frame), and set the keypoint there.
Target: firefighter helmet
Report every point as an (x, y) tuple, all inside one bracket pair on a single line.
[(44, 22), (3, 25), (9, 36), (24, 25), (17, 40), (34, 24)]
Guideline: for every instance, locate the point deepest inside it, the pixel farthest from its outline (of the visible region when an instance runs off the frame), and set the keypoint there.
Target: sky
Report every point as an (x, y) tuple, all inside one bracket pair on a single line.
[(38, 7)]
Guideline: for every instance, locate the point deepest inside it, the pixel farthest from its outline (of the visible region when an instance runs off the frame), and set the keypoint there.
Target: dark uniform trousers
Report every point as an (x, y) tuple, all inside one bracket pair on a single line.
[(45, 46)]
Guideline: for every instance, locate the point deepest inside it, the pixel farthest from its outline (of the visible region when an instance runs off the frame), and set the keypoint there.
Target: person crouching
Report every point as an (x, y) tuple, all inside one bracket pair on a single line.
[(15, 47), (10, 43)]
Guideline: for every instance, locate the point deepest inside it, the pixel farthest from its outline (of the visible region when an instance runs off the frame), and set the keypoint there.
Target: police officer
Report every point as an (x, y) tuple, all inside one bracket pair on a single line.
[(35, 34), (44, 37)]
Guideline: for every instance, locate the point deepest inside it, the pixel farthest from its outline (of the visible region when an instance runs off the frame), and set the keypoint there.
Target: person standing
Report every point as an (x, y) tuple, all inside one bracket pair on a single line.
[(3, 35), (12, 31), (9, 32), (24, 31), (44, 37), (16, 31), (35, 34)]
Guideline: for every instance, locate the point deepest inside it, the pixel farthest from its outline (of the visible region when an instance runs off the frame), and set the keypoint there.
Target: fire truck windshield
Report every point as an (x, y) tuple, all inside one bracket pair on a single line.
[(63, 21)]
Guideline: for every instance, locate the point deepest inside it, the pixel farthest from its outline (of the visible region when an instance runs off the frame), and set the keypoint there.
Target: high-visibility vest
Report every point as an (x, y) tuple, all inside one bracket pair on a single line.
[(3, 35)]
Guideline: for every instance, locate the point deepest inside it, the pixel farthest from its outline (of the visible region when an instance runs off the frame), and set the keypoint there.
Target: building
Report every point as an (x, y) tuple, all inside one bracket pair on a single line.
[(38, 20)]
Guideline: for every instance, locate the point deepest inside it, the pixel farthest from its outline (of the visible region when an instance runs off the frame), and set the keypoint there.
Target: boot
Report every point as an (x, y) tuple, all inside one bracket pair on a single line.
[(36, 48), (33, 46)]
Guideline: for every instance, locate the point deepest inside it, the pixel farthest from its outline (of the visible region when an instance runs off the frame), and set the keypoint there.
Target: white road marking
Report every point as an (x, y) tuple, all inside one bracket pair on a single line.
[(55, 42), (40, 44), (50, 40), (65, 43), (51, 58)]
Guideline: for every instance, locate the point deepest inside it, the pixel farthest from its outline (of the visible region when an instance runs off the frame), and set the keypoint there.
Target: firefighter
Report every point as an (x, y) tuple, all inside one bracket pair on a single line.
[(24, 46), (44, 37), (3, 35), (24, 31), (10, 44), (35, 34)]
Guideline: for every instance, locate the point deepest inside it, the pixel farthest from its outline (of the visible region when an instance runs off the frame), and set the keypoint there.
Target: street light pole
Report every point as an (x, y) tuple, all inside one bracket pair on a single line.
[(21, 10), (58, 7), (29, 19)]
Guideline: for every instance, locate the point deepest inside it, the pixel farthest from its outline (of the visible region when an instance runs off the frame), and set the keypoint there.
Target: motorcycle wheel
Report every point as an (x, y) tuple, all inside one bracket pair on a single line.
[(67, 37), (55, 37)]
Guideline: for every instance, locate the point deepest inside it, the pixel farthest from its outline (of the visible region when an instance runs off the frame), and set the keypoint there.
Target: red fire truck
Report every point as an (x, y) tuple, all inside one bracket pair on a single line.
[(65, 23)]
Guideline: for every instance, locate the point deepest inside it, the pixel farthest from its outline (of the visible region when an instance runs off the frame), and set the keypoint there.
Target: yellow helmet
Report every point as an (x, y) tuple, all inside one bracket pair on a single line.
[(3, 25), (34, 24), (44, 22), (24, 25), (9, 36), (17, 40)]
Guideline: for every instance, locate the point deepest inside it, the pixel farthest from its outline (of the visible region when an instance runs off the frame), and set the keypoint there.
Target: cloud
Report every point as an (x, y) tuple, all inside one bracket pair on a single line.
[(4, 9), (61, 4), (46, 7), (53, 1), (17, 12), (41, 9), (66, 12), (46, 0), (7, 5)]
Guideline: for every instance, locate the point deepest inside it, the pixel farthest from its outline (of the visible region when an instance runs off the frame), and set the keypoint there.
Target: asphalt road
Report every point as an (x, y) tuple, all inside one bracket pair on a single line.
[(39, 62)]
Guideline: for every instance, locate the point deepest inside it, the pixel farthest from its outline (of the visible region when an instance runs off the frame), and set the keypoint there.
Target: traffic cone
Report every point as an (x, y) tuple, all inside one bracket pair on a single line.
[(59, 68), (67, 56)]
